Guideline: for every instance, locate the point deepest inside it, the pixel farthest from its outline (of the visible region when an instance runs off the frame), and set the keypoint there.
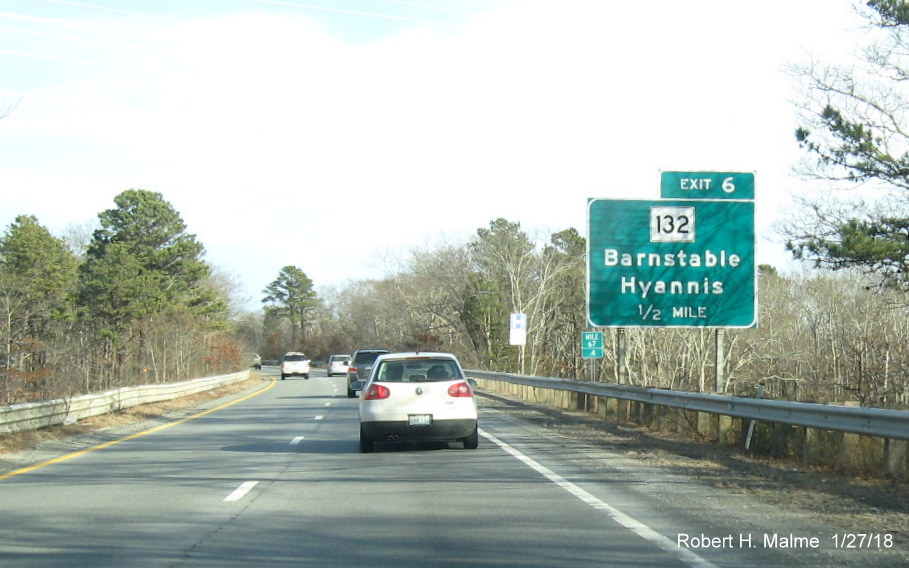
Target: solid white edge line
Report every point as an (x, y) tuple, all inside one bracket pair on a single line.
[(618, 516), (241, 491)]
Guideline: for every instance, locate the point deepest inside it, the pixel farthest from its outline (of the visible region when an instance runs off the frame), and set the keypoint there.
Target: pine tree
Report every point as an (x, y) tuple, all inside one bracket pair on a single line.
[(37, 284), (291, 296)]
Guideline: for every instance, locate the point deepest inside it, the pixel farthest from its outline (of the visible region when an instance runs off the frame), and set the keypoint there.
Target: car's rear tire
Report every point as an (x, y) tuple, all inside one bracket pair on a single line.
[(351, 393), (283, 376), (366, 445), (473, 440)]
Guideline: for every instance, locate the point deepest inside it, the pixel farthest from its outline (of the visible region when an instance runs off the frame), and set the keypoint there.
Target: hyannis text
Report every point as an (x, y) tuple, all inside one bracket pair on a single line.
[(631, 285)]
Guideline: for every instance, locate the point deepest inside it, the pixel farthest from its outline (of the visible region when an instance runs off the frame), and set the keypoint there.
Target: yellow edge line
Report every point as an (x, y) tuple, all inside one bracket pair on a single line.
[(72, 455)]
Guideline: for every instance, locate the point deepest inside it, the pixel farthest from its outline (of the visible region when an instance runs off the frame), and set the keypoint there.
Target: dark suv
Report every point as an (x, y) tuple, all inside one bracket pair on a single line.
[(360, 367)]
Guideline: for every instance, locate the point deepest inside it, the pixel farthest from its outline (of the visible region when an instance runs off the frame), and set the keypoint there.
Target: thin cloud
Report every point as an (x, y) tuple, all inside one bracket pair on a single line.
[(432, 7), (115, 10), (62, 59), (70, 38), (379, 15), (95, 27)]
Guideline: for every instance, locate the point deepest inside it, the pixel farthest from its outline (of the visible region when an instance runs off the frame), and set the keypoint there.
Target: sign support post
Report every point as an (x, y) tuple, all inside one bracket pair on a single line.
[(720, 350)]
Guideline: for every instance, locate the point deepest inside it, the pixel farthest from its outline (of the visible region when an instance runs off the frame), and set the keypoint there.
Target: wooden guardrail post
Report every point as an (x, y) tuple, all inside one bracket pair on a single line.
[(645, 414), (850, 447), (726, 431), (612, 407), (634, 411), (858, 452), (895, 454), (600, 405), (621, 409), (708, 425)]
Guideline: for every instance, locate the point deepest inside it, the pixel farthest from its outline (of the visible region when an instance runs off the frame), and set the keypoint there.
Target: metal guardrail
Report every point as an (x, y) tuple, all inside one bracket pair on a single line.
[(879, 422), (34, 415)]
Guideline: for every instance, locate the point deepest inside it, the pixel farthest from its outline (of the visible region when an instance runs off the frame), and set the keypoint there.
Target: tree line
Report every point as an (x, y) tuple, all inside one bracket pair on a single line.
[(137, 305), (454, 297), (822, 336)]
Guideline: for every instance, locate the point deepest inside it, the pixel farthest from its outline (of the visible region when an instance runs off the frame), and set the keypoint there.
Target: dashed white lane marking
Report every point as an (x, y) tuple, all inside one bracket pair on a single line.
[(296, 440), (630, 523), (319, 417), (241, 491)]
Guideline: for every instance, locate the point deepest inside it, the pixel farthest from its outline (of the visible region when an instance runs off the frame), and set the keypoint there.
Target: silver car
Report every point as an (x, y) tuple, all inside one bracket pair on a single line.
[(337, 365), (360, 367)]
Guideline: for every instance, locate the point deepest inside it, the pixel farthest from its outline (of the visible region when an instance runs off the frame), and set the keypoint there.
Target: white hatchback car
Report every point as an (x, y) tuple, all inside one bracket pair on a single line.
[(419, 397)]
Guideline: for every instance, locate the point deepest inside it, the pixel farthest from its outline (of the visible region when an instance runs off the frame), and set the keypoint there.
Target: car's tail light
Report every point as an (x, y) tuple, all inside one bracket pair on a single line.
[(460, 390), (352, 369), (377, 392)]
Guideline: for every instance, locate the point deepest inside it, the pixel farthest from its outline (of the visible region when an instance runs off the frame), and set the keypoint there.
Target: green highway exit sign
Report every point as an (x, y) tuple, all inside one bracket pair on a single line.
[(706, 185), (671, 263)]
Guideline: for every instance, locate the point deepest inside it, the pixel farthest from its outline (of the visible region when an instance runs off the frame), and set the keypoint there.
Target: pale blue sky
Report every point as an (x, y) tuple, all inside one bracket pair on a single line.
[(336, 135)]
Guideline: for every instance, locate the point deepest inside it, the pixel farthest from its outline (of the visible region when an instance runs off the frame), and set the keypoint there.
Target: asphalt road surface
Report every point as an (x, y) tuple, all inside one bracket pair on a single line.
[(274, 477)]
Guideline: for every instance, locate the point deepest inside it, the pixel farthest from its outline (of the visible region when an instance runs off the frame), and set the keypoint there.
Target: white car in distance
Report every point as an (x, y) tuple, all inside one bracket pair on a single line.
[(294, 363), (337, 365), (417, 397)]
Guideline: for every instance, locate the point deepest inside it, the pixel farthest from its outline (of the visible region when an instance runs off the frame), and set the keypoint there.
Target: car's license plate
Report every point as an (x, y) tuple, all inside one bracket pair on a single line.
[(420, 419)]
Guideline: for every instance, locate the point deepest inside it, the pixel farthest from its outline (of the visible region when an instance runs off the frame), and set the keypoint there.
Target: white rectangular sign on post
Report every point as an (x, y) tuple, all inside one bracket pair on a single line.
[(517, 329)]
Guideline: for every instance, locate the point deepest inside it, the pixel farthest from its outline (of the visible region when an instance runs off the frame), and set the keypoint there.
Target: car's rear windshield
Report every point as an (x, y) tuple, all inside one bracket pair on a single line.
[(295, 357), (417, 370), (368, 356), (339, 357)]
